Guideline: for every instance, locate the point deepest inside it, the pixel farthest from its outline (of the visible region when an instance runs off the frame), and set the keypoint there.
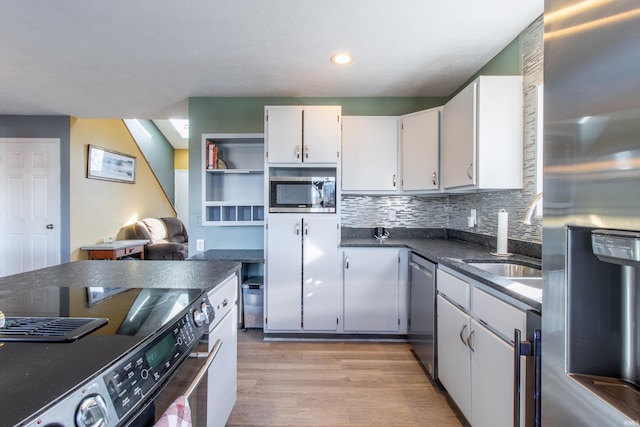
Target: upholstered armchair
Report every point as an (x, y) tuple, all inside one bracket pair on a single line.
[(168, 238)]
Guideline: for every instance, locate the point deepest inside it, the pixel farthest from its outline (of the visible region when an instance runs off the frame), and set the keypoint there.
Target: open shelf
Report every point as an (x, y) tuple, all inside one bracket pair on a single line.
[(234, 195)]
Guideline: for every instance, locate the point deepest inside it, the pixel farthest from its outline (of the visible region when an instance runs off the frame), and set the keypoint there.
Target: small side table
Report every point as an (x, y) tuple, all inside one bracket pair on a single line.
[(117, 249)]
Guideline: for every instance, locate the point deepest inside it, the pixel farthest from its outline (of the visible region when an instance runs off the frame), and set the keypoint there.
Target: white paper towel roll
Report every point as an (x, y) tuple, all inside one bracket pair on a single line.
[(503, 231)]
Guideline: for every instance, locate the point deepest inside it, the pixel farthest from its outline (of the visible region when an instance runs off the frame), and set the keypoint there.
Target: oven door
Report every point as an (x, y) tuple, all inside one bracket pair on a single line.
[(185, 382), (207, 378)]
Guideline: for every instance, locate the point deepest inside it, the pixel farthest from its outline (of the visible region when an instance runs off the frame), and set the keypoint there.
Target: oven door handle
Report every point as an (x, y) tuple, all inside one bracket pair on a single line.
[(203, 370)]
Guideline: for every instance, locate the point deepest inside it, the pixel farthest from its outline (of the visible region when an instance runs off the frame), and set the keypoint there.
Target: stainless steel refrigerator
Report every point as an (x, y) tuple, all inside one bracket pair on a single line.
[(591, 225)]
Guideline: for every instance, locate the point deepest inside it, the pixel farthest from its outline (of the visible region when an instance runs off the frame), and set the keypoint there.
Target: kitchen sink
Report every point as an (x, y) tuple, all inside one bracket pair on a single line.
[(532, 282), (526, 280), (509, 269)]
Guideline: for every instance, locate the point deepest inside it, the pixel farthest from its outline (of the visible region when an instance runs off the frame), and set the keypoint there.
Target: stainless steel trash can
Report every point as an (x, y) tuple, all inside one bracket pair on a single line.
[(253, 298)]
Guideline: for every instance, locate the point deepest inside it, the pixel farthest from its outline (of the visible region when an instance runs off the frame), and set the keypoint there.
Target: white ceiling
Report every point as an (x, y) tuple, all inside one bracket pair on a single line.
[(145, 58)]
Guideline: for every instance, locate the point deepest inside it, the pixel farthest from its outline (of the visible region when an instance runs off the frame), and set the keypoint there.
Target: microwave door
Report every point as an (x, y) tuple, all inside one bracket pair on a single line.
[(293, 195)]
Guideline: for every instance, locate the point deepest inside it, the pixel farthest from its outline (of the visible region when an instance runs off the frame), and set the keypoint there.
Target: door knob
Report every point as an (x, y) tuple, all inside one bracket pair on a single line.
[(49, 226)]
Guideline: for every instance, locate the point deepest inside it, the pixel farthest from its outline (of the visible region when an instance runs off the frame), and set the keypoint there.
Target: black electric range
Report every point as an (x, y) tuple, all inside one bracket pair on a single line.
[(62, 345)]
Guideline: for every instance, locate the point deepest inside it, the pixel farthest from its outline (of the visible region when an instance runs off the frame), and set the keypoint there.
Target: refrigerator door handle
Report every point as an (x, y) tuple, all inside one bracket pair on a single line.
[(537, 390)]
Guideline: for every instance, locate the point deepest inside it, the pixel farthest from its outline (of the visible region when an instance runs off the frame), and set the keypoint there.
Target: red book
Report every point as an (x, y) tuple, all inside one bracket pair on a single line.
[(210, 155)]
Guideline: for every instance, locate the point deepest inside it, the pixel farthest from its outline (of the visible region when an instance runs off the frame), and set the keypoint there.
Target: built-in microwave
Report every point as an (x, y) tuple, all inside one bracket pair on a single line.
[(302, 194)]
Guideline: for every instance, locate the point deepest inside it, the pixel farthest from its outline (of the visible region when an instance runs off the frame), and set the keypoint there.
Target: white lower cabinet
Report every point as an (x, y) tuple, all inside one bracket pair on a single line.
[(454, 365), (303, 284), (373, 295), (491, 378), (475, 354)]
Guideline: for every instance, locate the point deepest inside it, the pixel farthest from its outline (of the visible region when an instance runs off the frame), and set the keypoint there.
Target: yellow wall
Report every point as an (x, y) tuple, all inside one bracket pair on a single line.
[(100, 208), (181, 159)]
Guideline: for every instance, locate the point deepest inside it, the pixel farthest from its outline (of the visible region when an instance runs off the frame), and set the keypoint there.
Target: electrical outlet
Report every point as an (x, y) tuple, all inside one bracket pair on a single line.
[(200, 245), (391, 215)]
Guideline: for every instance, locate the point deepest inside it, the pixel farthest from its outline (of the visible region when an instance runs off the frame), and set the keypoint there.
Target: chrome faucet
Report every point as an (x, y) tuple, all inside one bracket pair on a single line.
[(531, 207)]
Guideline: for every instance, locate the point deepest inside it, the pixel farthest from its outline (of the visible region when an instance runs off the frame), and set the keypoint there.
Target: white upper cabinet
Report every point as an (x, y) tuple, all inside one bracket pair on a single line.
[(421, 150), (482, 136), (302, 134), (369, 154)]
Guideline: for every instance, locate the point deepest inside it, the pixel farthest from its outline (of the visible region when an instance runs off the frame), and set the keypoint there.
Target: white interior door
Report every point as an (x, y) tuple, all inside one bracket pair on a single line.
[(29, 204), (181, 195)]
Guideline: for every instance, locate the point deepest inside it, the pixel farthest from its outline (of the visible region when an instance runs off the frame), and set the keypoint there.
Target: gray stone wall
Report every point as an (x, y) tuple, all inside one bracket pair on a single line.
[(451, 211)]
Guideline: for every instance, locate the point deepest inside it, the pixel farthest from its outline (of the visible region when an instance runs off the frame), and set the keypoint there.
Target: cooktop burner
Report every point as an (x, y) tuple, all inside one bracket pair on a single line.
[(48, 329)]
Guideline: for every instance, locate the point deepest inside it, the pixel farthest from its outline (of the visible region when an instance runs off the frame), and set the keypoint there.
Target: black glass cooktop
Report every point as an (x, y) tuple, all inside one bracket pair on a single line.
[(36, 373)]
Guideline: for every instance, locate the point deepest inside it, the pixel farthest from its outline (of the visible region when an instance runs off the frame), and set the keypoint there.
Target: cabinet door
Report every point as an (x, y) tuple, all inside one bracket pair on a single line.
[(454, 364), (371, 290), (421, 151), (320, 282), (283, 132), (458, 139), (492, 379), (369, 153), (321, 140), (284, 272)]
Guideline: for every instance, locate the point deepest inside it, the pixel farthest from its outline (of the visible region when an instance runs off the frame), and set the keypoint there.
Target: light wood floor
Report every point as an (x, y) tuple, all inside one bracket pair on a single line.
[(334, 384)]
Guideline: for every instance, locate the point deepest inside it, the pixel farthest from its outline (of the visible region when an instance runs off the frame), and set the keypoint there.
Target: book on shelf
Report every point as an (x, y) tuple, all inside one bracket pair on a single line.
[(212, 156)]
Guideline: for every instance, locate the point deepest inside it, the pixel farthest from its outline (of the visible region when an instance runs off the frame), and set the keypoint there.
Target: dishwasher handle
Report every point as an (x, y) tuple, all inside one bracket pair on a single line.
[(203, 370), (417, 266)]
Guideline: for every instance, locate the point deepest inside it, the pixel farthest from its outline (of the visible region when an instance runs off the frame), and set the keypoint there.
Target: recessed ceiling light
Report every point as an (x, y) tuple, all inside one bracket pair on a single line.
[(341, 58)]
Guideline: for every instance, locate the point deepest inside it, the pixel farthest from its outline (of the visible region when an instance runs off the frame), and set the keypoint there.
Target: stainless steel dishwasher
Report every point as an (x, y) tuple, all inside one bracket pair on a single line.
[(422, 311)]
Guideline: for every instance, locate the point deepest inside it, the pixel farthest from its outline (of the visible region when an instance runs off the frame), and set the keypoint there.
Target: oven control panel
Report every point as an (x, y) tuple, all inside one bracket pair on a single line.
[(125, 387), (132, 380)]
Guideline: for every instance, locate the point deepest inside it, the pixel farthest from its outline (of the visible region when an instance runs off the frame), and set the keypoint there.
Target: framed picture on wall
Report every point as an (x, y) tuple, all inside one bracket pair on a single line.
[(110, 165)]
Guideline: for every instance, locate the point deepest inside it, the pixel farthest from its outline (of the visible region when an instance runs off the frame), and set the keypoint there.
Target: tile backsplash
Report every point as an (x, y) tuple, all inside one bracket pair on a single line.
[(411, 212), (450, 211), (447, 211)]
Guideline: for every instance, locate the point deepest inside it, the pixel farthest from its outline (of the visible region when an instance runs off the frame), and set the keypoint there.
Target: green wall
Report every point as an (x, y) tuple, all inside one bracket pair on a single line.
[(158, 152), (506, 63), (229, 115)]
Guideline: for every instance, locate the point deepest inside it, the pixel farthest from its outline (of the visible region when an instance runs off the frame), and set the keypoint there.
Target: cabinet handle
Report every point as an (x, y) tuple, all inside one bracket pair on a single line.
[(306, 151), (469, 341), (346, 262), (297, 228), (461, 332), (306, 229), (297, 151), (395, 181), (434, 178), (469, 174)]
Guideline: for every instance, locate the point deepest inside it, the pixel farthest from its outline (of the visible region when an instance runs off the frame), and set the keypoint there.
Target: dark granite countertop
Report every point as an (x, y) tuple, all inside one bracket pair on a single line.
[(129, 274), (239, 255), (453, 254)]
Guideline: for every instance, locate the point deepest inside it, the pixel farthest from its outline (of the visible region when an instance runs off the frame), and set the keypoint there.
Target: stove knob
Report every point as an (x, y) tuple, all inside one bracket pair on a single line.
[(199, 318), (92, 412)]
